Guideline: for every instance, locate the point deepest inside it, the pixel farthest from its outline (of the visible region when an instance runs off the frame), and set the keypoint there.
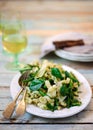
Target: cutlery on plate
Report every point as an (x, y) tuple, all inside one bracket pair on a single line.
[(21, 107), (7, 113)]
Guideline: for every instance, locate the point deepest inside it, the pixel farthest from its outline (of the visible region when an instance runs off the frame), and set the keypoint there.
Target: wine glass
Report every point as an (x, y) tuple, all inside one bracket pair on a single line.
[(14, 41)]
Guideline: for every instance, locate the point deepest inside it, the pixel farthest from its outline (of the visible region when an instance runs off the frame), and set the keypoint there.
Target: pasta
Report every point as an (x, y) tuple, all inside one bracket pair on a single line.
[(50, 87)]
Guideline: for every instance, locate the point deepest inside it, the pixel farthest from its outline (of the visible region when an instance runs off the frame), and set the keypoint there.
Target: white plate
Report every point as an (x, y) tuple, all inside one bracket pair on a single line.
[(73, 56), (85, 97)]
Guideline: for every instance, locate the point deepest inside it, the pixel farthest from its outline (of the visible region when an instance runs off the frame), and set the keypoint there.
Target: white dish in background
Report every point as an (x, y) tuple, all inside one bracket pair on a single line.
[(73, 56), (85, 97)]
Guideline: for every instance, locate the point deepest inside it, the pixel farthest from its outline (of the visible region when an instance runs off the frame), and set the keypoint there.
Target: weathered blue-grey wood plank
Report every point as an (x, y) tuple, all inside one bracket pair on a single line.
[(48, 127)]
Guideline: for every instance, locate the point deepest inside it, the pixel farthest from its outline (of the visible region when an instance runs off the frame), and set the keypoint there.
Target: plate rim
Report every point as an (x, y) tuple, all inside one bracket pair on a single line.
[(51, 114), (76, 54), (72, 57)]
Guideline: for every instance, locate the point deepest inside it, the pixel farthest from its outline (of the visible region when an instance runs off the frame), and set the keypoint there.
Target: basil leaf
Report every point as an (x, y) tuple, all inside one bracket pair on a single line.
[(55, 72), (36, 84), (64, 90)]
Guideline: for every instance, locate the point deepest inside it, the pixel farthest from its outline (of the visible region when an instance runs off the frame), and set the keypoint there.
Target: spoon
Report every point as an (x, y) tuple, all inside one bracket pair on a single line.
[(21, 107), (7, 113)]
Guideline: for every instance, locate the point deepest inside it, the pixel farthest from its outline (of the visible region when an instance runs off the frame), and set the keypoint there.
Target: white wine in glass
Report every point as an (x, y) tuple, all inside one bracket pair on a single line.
[(14, 44), (14, 40)]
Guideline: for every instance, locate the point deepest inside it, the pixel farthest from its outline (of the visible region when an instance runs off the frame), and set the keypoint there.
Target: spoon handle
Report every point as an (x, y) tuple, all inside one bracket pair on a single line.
[(7, 113), (21, 107)]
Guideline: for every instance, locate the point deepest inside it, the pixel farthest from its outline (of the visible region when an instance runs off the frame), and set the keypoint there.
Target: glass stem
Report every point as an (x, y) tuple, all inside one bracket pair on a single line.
[(16, 60)]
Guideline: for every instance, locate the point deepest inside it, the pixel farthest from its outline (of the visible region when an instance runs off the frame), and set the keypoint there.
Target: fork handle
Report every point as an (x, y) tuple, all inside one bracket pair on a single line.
[(7, 113), (18, 94)]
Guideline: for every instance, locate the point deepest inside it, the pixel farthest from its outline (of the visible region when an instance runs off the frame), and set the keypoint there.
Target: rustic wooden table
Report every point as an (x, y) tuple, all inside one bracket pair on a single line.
[(44, 19)]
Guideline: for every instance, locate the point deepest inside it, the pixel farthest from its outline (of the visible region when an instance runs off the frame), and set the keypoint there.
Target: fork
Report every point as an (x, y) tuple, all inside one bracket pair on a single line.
[(7, 113)]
